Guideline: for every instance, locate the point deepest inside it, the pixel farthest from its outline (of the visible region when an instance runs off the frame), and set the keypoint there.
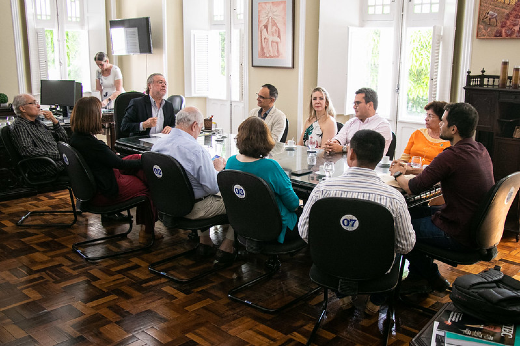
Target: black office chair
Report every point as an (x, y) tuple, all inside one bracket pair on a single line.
[(84, 187), (40, 184), (254, 216), (487, 228), (353, 251), (391, 149), (178, 102), (172, 195), (339, 125), (120, 104), (284, 135)]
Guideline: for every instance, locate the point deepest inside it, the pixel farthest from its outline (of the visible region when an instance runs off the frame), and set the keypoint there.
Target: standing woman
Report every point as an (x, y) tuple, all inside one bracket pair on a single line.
[(321, 123), (114, 182), (109, 80)]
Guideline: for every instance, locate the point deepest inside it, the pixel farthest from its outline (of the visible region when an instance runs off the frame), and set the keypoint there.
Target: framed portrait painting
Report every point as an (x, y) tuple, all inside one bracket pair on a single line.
[(498, 19), (272, 33)]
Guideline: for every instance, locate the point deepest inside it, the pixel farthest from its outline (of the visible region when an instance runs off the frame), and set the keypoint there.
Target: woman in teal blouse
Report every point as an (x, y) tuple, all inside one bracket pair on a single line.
[(254, 143)]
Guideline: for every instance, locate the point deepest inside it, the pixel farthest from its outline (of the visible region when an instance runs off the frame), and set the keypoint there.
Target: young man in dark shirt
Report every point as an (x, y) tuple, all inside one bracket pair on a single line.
[(465, 172)]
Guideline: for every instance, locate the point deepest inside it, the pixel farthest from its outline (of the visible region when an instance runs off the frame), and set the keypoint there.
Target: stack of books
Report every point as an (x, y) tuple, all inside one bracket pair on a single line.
[(455, 328)]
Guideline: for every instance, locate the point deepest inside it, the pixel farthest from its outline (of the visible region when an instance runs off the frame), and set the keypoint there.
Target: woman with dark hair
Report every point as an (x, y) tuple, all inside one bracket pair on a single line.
[(254, 142), (109, 80), (113, 182), (426, 142)]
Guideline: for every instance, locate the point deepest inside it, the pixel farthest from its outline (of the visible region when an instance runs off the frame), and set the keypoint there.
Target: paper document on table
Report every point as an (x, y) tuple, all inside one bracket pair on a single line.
[(151, 140), (158, 134), (390, 180)]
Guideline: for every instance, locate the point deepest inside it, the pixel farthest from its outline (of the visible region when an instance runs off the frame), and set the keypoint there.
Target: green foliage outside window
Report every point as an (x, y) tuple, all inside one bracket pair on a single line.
[(73, 44), (419, 72)]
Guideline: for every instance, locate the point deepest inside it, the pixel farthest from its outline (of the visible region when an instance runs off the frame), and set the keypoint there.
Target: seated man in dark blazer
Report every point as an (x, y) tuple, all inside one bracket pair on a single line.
[(151, 113)]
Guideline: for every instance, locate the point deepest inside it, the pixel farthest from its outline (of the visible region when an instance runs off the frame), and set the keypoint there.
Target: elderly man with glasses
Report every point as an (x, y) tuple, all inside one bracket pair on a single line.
[(151, 113), (32, 138), (365, 107), (266, 110)]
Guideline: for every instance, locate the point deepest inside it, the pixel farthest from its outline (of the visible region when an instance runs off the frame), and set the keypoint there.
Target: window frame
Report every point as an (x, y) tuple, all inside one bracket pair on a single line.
[(92, 22)]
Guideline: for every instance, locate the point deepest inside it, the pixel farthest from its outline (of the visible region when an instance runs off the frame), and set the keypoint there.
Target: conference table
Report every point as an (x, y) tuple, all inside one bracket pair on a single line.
[(291, 159)]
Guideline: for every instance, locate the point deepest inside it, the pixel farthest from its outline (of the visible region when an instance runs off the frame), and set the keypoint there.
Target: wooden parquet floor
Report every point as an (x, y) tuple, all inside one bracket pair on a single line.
[(49, 295)]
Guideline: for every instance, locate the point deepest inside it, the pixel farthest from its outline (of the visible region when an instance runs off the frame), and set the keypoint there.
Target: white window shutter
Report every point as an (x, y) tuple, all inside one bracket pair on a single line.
[(42, 54), (33, 45), (435, 62), (200, 57)]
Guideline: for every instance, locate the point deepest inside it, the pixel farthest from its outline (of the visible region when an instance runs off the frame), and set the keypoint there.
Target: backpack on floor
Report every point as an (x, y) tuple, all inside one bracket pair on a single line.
[(490, 296)]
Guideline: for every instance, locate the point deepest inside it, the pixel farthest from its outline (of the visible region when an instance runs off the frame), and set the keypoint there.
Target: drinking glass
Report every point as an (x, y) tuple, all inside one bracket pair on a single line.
[(10, 120), (219, 132), (328, 167), (416, 162), (312, 143), (311, 160)]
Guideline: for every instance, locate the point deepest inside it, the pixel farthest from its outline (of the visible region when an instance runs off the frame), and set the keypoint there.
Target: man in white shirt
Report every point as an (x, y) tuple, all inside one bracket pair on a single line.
[(273, 117), (360, 181), (365, 107)]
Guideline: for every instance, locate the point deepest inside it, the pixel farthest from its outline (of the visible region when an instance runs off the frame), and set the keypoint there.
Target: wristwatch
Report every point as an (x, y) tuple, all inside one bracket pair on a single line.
[(397, 174), (109, 99), (344, 149)]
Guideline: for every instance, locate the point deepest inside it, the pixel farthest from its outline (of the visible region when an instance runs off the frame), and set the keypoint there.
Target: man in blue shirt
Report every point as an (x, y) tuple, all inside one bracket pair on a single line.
[(181, 144)]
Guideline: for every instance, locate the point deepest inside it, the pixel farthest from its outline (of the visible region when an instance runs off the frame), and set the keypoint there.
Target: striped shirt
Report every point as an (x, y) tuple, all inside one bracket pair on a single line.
[(363, 183), (33, 139)]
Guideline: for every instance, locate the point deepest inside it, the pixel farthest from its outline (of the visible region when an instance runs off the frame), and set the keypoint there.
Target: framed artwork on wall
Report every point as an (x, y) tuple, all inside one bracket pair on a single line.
[(499, 19), (272, 31)]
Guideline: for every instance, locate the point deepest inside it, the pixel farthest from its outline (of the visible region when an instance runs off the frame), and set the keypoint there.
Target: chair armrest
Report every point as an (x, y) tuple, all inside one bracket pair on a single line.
[(24, 168)]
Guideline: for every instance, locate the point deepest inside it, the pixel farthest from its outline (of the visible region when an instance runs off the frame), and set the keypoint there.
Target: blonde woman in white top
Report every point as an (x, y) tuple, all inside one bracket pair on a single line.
[(109, 80), (321, 123)]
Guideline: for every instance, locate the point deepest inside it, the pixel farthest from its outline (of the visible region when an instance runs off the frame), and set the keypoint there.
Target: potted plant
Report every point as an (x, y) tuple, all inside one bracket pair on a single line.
[(3, 100)]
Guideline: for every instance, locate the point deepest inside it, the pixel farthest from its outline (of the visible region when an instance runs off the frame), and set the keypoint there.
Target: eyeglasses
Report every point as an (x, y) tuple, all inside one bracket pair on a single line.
[(262, 97), (36, 103), (160, 82), (431, 116), (357, 103)]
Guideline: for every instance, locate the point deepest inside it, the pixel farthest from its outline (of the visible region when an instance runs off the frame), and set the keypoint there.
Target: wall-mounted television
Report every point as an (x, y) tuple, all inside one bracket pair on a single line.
[(62, 93), (131, 36)]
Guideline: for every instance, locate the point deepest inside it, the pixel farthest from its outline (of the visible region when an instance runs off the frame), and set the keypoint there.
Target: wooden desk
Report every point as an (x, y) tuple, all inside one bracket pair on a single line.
[(107, 120), (499, 114)]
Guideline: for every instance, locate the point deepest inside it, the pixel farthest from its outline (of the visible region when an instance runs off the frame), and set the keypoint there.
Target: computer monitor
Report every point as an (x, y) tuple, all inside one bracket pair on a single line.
[(131, 36), (63, 93)]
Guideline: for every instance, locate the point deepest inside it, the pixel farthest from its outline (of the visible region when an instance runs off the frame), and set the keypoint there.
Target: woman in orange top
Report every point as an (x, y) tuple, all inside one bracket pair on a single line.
[(426, 142)]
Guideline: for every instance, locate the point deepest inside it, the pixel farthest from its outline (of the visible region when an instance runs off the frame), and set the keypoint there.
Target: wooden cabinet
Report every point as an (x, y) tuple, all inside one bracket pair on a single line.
[(499, 114)]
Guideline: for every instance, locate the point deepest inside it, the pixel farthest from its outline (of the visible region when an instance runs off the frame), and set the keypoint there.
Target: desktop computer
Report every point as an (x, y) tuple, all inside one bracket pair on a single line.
[(60, 95)]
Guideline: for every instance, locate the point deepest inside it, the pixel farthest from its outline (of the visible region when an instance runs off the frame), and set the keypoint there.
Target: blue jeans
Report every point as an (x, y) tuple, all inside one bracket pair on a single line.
[(421, 265)]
